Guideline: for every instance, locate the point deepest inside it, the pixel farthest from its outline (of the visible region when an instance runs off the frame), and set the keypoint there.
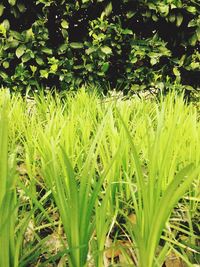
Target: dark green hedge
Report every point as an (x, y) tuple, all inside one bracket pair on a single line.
[(132, 44)]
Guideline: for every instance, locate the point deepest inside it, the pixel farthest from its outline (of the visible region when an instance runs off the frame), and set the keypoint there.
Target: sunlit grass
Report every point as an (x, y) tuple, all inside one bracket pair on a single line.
[(84, 162)]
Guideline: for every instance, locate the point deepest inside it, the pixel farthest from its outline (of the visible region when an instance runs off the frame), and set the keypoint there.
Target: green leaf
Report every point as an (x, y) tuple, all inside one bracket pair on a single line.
[(16, 35), (21, 7), (164, 8), (44, 73), (29, 34), (13, 44), (6, 24), (107, 11), (179, 19), (47, 51), (154, 17), (106, 50), (62, 48), (195, 65), (33, 69), (198, 33), (191, 9), (20, 51), (130, 14), (6, 64), (189, 88), (64, 33), (64, 24), (26, 57), (3, 75), (2, 30), (151, 6), (153, 61), (76, 45), (176, 71), (172, 17), (39, 61), (54, 68), (12, 2), (193, 40), (134, 60), (78, 67), (105, 67), (15, 13), (135, 87), (89, 67), (127, 31), (1, 9), (90, 50), (192, 23), (173, 6), (148, 14)]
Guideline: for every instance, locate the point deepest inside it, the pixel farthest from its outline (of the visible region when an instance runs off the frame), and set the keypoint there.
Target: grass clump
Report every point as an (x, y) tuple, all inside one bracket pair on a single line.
[(100, 182)]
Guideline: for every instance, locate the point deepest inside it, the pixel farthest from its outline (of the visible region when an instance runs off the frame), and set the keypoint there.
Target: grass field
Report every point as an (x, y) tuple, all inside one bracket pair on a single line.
[(90, 181)]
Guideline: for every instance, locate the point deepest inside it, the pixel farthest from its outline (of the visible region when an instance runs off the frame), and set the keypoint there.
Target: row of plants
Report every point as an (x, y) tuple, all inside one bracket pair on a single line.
[(86, 181), (142, 45)]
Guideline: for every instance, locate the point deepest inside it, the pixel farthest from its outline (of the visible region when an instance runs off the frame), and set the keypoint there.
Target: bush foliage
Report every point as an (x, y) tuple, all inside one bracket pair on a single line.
[(65, 43)]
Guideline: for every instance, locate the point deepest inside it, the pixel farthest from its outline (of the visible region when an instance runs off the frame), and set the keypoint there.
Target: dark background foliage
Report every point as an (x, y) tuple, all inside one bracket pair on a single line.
[(130, 44)]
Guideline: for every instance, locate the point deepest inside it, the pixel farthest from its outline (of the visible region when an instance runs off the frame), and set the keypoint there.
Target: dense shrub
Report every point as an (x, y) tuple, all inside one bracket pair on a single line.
[(139, 44)]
